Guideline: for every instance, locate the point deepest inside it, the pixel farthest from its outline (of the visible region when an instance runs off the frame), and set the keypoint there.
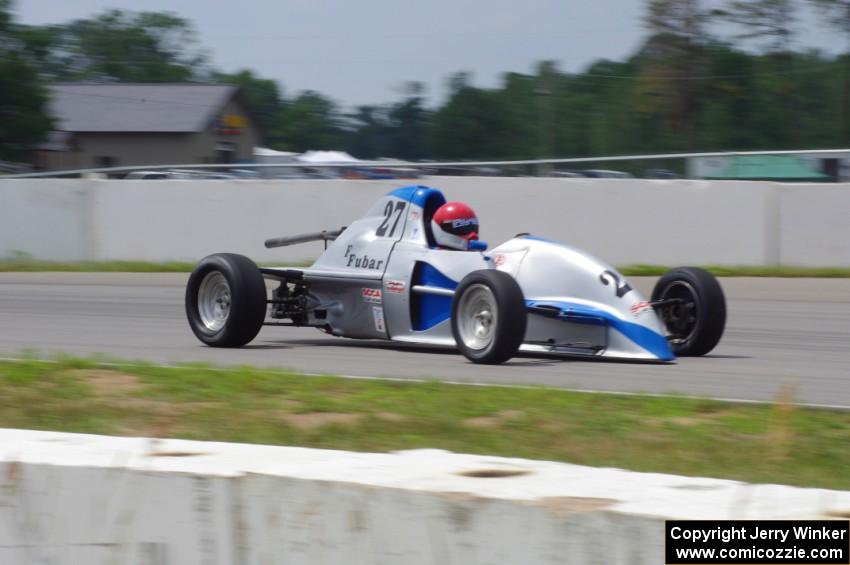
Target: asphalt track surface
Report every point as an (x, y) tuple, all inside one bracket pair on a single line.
[(780, 333)]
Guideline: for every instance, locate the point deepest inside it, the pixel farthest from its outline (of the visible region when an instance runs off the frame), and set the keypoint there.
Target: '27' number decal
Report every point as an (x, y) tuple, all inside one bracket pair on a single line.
[(389, 210), (622, 288)]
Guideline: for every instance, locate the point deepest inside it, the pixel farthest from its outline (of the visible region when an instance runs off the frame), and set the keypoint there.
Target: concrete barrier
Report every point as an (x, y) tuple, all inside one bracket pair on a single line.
[(622, 221), (46, 220), (815, 225), (82, 499)]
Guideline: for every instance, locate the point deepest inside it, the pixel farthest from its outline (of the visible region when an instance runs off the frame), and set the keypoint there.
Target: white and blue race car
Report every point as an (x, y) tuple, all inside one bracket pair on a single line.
[(383, 277)]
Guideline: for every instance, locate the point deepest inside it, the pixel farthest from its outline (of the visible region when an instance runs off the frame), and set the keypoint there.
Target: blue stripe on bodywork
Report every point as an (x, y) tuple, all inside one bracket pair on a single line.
[(431, 309), (416, 194), (653, 342), (430, 276), (538, 238)]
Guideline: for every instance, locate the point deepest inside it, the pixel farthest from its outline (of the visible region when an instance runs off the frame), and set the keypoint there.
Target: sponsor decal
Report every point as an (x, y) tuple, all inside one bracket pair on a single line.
[(394, 286), (498, 259), (371, 295), (378, 315), (414, 215), (463, 222), (640, 307), (361, 261)]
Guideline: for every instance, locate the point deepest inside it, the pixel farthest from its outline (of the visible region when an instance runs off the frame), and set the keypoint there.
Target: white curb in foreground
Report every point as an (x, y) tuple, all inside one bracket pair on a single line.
[(84, 499)]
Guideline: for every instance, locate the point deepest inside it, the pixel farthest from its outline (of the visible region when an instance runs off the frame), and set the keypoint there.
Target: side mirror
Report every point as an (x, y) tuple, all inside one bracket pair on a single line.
[(477, 245)]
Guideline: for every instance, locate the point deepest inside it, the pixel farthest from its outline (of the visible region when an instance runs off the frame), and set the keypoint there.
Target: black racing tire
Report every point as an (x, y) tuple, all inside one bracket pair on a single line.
[(488, 316), (696, 322), (226, 300)]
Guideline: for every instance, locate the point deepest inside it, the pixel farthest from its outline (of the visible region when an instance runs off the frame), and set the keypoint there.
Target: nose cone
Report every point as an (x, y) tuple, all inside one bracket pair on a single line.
[(640, 341)]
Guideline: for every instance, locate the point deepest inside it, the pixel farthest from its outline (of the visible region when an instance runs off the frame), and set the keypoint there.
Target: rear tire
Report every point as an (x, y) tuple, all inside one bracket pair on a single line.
[(695, 324), (488, 316), (226, 300)]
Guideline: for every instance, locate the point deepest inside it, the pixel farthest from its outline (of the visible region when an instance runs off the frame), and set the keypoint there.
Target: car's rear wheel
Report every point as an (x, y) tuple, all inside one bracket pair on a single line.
[(691, 304), (488, 316), (226, 300)]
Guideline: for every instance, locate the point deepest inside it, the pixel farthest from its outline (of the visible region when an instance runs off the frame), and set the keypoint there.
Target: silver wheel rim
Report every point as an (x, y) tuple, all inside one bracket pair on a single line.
[(477, 317), (214, 301)]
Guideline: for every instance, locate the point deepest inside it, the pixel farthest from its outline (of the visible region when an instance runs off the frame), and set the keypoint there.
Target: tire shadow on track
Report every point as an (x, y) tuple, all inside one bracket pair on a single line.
[(521, 359), (714, 356), (401, 347), (366, 344)]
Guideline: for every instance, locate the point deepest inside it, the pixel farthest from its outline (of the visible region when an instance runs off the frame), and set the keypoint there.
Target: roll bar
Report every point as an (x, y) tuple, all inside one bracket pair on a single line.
[(324, 235)]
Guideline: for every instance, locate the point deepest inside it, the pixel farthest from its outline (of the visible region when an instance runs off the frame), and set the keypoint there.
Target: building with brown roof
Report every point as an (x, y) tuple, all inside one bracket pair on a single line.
[(111, 125)]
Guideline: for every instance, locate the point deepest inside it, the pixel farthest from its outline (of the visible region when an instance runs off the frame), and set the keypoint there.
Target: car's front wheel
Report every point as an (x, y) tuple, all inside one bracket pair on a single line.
[(226, 300), (691, 304), (488, 316)]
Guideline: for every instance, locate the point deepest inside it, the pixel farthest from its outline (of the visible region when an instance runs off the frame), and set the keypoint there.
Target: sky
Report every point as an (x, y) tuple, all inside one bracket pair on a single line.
[(363, 52)]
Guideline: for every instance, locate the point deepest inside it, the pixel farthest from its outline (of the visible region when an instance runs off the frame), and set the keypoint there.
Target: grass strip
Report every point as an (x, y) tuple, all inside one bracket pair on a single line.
[(35, 266), (32, 265), (777, 443)]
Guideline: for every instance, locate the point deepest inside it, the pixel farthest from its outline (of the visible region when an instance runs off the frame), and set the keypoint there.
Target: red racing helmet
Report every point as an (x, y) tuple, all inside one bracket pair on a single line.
[(454, 225)]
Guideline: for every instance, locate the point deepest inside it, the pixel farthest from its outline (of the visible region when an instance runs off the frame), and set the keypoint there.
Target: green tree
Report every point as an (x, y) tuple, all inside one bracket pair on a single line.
[(369, 133), (768, 21), (545, 92), (836, 14), (473, 124), (671, 61), (530, 111), (727, 114), (23, 99), (311, 121), (609, 104), (409, 124), (123, 46)]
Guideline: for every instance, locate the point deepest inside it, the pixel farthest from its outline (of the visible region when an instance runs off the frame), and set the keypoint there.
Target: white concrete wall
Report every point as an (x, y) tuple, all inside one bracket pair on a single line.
[(815, 222), (626, 221), (622, 221), (48, 220), (186, 220), (81, 499)]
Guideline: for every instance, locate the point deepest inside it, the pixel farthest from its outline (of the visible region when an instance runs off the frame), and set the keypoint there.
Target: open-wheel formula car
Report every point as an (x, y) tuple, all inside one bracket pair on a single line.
[(384, 277)]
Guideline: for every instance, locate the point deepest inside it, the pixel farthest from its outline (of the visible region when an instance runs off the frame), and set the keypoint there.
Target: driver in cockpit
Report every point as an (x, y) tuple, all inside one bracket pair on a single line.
[(454, 226)]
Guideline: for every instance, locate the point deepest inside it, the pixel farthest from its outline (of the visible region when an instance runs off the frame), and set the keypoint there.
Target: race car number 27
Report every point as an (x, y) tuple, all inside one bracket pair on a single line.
[(389, 211)]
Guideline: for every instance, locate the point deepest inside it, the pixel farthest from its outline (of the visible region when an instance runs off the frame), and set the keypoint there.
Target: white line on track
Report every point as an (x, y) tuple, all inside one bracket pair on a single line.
[(459, 383)]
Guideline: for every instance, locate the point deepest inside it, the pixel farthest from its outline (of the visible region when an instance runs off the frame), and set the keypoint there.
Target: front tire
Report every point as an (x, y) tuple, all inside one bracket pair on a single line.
[(488, 316), (226, 300), (696, 316)]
